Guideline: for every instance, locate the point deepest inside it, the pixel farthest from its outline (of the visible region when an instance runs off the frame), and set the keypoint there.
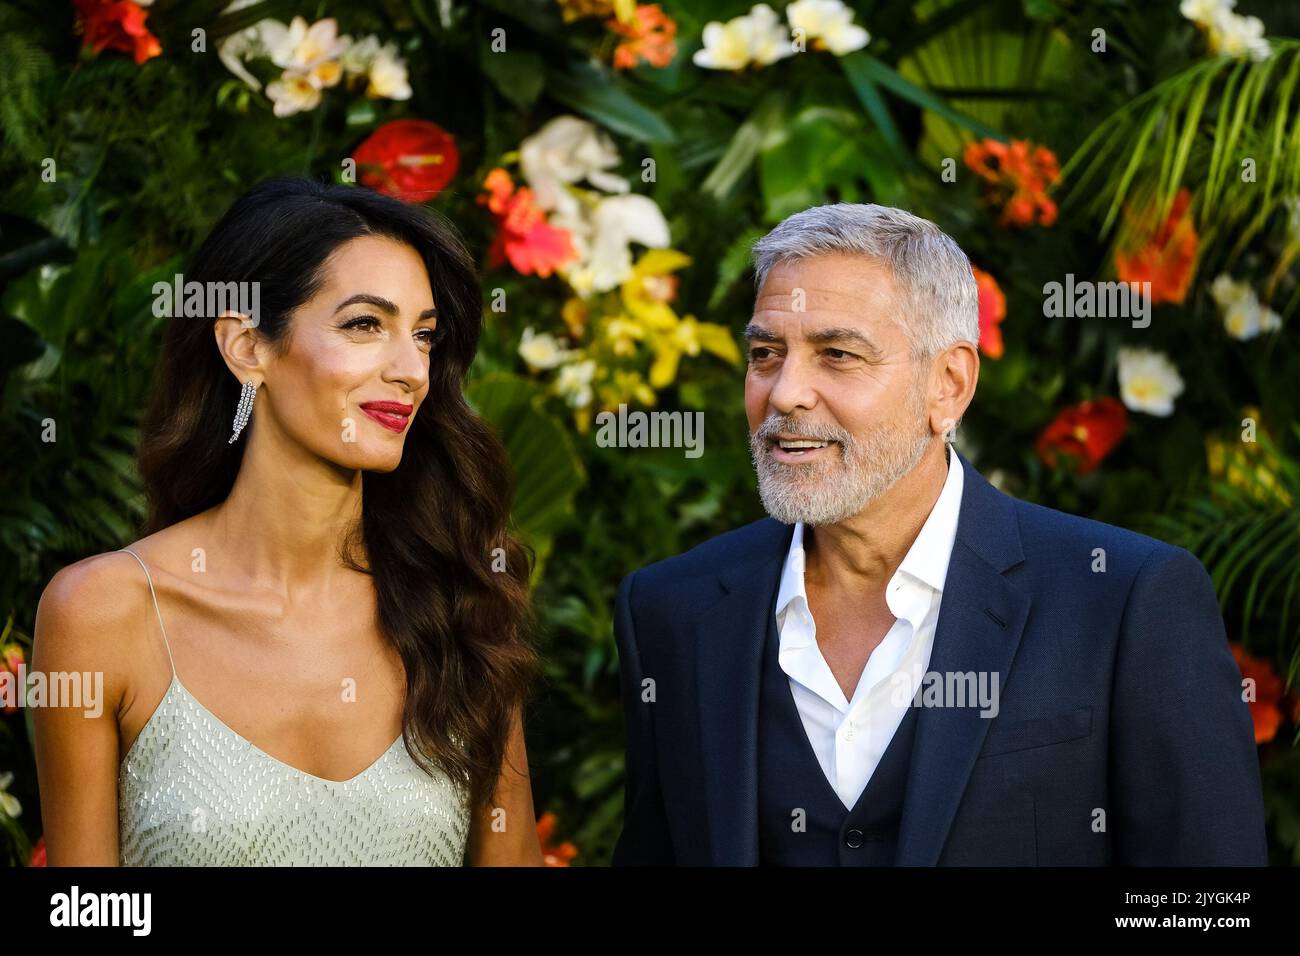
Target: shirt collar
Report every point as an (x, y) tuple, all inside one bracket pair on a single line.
[(926, 560)]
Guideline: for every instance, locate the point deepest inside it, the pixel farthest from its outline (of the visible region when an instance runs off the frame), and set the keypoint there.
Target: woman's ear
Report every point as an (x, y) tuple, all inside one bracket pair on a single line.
[(240, 345)]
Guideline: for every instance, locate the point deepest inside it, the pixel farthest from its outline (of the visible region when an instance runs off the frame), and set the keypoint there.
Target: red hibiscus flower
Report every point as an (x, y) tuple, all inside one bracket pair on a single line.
[(117, 25), (38, 854), (1086, 433), (553, 855), (1167, 258), (650, 38), (532, 245), (993, 309), (411, 159), (1266, 708), (1017, 176)]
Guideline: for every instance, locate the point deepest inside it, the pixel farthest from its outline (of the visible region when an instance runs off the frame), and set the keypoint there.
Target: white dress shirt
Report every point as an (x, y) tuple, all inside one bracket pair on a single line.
[(850, 736)]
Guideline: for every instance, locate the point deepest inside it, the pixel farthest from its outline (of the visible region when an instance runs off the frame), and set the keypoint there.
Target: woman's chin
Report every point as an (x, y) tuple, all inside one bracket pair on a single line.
[(378, 459), (382, 463)]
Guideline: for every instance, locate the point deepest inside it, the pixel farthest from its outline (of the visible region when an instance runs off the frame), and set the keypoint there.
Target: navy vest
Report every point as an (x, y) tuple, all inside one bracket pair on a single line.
[(790, 779)]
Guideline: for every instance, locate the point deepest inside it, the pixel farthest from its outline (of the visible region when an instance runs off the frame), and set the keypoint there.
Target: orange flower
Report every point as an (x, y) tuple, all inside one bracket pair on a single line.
[(1266, 708), (117, 25), (650, 38), (1086, 432), (553, 855), (993, 309), (532, 245), (1017, 175), (11, 657), (1167, 257)]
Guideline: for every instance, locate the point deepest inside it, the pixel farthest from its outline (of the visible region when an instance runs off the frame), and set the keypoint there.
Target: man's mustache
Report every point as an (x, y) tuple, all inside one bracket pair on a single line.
[(775, 425)]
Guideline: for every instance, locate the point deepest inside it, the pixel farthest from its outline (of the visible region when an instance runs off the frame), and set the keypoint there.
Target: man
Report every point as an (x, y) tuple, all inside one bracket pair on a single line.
[(903, 665)]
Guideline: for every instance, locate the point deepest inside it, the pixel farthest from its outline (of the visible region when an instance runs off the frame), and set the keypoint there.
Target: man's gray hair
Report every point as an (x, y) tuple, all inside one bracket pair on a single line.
[(931, 273)]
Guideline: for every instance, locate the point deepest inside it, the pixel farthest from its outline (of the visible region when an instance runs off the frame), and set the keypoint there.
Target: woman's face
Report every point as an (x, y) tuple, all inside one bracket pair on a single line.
[(348, 382)]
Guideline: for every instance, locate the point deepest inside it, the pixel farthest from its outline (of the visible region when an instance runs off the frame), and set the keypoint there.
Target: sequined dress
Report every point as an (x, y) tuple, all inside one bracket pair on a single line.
[(192, 792)]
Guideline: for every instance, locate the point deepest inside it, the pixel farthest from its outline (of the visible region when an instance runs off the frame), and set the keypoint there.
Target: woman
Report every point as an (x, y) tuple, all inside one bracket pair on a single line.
[(325, 576)]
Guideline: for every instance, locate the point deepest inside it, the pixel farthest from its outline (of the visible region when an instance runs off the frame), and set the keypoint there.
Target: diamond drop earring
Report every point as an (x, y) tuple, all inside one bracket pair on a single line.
[(247, 392)]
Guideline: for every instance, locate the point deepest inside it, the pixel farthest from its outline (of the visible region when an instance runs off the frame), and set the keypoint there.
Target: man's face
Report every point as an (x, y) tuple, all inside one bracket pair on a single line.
[(836, 404)]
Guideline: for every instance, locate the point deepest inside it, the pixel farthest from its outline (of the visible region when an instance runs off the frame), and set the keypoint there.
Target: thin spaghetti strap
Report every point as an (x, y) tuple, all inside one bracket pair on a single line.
[(153, 595)]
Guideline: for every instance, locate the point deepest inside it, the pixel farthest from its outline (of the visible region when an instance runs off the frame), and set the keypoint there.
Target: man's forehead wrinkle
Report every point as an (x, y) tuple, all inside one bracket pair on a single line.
[(850, 300)]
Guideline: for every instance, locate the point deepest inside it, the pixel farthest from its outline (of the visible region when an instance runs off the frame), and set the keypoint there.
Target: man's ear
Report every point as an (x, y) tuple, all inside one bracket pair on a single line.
[(241, 345), (957, 371)]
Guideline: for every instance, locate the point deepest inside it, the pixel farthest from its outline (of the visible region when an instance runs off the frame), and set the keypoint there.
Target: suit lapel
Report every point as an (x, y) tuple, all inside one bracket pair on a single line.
[(981, 618), (729, 638)]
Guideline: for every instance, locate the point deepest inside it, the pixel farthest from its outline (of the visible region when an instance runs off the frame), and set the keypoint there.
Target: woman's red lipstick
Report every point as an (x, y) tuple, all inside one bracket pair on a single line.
[(392, 415)]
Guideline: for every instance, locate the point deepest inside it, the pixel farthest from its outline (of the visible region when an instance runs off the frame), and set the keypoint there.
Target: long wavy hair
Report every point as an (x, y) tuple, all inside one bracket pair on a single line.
[(431, 526)]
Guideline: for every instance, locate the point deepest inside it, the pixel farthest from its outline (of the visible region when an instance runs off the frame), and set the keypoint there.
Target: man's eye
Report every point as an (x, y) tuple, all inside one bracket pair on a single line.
[(838, 355), (759, 354)]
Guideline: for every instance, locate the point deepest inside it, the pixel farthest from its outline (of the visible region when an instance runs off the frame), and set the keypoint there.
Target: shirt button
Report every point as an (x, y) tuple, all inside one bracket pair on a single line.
[(850, 733), (853, 838)]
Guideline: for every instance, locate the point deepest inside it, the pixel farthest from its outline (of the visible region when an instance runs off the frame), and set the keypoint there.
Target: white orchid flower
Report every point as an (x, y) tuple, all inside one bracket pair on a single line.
[(568, 150), (827, 21), (1148, 381)]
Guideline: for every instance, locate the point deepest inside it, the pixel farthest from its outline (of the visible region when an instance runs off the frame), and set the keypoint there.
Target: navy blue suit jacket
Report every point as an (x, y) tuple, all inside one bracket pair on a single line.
[(1122, 736)]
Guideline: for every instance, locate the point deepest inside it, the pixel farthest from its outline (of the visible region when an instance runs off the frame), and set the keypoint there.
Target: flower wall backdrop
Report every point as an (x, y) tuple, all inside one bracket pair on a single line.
[(611, 162)]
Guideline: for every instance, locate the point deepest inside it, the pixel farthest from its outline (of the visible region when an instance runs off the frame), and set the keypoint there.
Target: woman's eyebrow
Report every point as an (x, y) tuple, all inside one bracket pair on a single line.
[(379, 302)]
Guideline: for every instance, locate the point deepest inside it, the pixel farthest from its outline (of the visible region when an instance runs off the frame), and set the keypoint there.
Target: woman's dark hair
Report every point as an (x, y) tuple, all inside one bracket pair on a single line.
[(431, 526)]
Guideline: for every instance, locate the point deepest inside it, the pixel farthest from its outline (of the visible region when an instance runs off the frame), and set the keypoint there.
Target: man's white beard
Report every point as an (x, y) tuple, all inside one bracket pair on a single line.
[(840, 486)]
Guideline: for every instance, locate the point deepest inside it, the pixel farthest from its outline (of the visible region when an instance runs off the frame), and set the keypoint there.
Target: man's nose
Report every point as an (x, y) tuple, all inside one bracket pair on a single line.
[(792, 388)]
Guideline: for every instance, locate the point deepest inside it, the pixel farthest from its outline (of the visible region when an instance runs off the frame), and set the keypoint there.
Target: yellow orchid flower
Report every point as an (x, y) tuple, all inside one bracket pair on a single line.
[(624, 10), (623, 333), (575, 313), (689, 337), (626, 386), (1246, 465), (651, 286)]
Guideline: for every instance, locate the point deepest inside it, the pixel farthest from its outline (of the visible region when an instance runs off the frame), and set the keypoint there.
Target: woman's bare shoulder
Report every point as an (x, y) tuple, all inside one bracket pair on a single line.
[(109, 592), (104, 595), (95, 597)]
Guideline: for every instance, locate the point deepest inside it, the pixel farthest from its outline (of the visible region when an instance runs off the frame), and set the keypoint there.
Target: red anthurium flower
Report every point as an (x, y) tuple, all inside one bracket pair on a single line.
[(1086, 432), (532, 245), (1168, 257), (993, 309), (38, 854), (411, 159), (553, 856), (117, 25), (649, 38)]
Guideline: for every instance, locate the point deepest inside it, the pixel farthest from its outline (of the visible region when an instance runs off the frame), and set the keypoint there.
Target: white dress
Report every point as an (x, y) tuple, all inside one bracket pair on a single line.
[(192, 792)]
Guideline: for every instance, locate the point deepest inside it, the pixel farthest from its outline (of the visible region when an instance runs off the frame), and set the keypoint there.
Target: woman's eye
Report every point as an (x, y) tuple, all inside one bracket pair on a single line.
[(428, 336), (363, 322)]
